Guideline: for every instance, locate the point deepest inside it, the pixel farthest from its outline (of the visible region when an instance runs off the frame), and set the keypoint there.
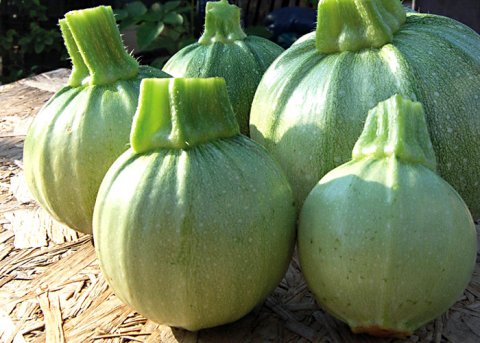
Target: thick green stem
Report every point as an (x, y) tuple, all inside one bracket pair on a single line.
[(352, 25), (79, 69), (396, 127), (181, 113), (100, 46), (222, 23)]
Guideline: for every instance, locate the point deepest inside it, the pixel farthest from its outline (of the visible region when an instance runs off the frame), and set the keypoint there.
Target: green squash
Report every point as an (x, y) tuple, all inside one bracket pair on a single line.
[(84, 127), (225, 51), (385, 244), (195, 224), (311, 103)]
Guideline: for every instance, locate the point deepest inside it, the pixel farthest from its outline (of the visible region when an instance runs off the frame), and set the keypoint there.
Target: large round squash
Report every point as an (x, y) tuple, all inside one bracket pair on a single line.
[(195, 224), (311, 104), (84, 127), (224, 50)]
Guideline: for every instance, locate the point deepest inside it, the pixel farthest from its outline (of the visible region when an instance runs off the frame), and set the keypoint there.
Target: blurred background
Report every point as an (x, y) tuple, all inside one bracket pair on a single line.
[(31, 43)]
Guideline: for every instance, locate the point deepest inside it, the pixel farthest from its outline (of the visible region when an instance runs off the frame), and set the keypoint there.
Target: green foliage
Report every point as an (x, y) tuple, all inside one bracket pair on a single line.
[(32, 45), (166, 26)]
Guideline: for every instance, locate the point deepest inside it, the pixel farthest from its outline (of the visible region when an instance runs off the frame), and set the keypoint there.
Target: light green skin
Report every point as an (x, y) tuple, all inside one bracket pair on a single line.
[(386, 246), (241, 63), (310, 108), (73, 141), (195, 238)]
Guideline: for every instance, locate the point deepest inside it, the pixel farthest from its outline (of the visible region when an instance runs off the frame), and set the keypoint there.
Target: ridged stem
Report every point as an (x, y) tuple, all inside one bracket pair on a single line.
[(181, 113), (352, 25), (396, 127), (96, 39), (222, 23), (79, 69)]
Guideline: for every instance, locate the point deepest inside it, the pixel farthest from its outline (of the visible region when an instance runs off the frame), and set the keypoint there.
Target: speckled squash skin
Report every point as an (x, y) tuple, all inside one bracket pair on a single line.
[(310, 107), (73, 141), (195, 238), (386, 260), (241, 60)]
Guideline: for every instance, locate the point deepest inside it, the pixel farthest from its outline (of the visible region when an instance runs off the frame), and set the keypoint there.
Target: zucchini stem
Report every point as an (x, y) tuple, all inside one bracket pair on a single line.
[(93, 41), (352, 25), (222, 23), (182, 113), (396, 127), (79, 69)]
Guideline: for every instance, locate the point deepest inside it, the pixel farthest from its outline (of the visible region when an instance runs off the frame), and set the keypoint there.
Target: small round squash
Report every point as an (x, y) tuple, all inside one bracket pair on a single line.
[(84, 127), (385, 244)]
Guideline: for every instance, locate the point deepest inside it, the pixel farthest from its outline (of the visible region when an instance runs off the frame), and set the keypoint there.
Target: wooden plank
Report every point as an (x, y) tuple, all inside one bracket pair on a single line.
[(11, 147), (21, 100), (50, 81), (25, 97), (261, 10)]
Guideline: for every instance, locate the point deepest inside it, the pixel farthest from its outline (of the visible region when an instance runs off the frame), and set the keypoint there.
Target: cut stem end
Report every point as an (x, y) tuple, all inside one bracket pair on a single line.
[(396, 127), (222, 23), (352, 25), (181, 113), (96, 48)]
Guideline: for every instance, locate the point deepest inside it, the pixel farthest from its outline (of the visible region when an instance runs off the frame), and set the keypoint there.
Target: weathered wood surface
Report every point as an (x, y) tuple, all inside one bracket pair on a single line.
[(255, 11), (51, 288)]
